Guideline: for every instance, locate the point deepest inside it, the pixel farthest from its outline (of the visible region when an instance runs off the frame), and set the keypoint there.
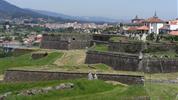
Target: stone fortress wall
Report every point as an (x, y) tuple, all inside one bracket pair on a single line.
[(137, 47), (125, 56), (122, 55), (26, 76), (128, 62), (66, 41), (115, 60)]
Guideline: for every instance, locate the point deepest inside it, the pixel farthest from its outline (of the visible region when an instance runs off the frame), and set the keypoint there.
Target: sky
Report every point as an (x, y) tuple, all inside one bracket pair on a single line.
[(116, 9)]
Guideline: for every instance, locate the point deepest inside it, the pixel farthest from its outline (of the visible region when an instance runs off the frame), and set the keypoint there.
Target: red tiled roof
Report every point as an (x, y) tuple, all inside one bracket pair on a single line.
[(154, 20), (136, 28), (132, 29), (174, 33), (145, 28)]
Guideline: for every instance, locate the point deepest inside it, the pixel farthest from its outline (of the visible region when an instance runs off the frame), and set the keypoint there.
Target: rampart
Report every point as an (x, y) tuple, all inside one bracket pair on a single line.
[(25, 76), (66, 41), (131, 62)]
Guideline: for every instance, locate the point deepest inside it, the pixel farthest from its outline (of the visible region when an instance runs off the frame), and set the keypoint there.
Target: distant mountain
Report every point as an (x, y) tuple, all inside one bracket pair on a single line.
[(77, 18), (53, 14), (8, 10)]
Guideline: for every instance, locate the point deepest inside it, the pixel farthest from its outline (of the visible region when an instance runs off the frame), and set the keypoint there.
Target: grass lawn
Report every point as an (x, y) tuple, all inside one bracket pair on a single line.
[(118, 93), (162, 91), (101, 47), (26, 60), (83, 89), (91, 90)]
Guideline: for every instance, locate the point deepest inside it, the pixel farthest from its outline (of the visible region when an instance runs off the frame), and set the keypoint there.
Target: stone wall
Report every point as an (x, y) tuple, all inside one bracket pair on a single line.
[(117, 61), (61, 45), (128, 62), (66, 41), (101, 37), (160, 65), (24, 76), (136, 47), (156, 47), (21, 51), (126, 47)]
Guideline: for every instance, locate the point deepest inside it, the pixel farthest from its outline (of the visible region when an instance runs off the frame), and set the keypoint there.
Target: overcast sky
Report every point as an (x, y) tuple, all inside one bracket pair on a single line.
[(118, 9)]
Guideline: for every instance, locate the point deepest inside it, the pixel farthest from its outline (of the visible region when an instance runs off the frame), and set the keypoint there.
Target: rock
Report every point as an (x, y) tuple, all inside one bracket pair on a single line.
[(69, 85), (26, 93), (35, 91), (7, 94), (29, 92), (64, 86), (47, 89), (2, 97)]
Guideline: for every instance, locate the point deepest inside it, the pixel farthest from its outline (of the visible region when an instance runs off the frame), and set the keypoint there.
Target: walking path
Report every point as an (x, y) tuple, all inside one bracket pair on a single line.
[(71, 57)]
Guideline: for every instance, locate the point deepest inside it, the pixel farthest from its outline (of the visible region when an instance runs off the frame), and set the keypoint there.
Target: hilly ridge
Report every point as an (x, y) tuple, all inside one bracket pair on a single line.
[(8, 10), (11, 11)]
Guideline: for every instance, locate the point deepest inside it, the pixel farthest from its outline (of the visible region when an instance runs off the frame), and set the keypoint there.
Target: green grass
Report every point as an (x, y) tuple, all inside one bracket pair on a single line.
[(122, 39), (92, 90), (101, 47), (81, 87), (83, 90), (118, 93), (162, 91), (26, 60)]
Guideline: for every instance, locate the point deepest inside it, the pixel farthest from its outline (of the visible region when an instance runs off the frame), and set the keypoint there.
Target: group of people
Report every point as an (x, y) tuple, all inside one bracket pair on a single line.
[(92, 77)]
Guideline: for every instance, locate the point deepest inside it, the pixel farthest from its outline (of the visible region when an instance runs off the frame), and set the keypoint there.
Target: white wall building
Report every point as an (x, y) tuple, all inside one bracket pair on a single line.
[(155, 27), (154, 24), (173, 25)]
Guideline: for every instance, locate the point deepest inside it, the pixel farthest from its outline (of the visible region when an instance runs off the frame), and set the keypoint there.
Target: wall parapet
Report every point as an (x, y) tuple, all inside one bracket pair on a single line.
[(25, 76)]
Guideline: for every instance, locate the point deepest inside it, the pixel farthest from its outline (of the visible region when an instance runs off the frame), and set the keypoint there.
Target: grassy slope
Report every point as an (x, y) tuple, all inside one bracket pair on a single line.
[(162, 91), (26, 60), (93, 90), (118, 93), (71, 58), (74, 61), (83, 89)]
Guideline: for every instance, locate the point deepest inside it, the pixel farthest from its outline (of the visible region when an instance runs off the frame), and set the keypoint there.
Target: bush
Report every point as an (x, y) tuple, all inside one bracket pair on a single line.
[(151, 37), (2, 54)]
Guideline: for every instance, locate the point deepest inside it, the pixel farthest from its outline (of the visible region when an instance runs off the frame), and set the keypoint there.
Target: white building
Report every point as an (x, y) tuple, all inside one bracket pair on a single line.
[(173, 25), (154, 24)]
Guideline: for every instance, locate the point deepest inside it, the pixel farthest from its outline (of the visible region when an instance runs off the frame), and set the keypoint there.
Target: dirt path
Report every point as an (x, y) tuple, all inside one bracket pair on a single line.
[(71, 57)]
